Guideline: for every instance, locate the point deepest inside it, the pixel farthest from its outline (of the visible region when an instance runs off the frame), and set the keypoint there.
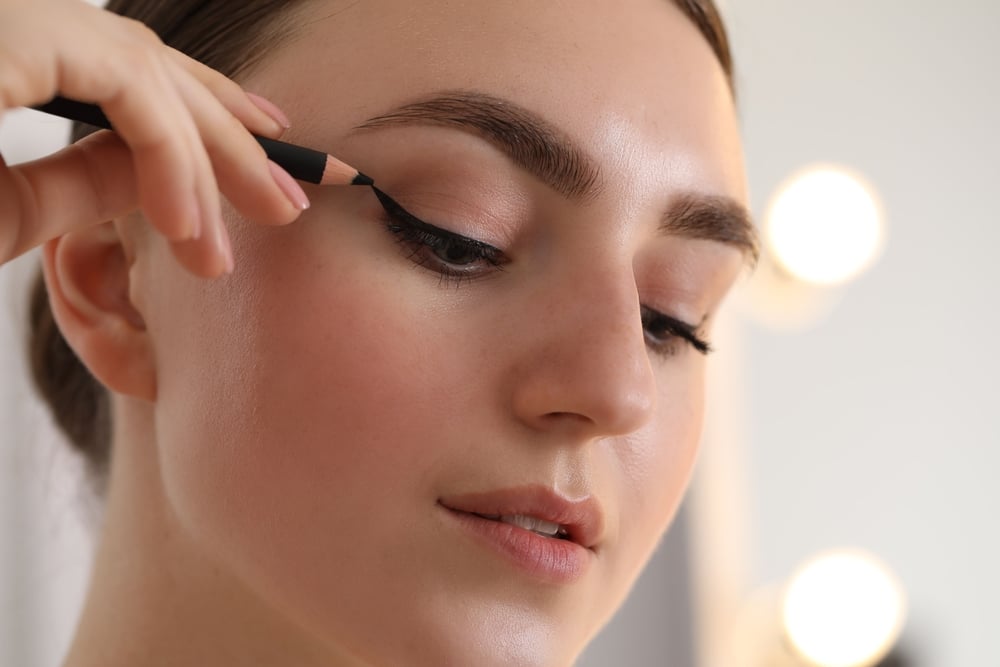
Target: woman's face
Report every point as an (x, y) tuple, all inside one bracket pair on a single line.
[(323, 413)]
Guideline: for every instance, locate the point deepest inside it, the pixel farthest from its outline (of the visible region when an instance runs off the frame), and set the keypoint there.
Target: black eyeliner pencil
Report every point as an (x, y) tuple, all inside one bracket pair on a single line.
[(304, 164)]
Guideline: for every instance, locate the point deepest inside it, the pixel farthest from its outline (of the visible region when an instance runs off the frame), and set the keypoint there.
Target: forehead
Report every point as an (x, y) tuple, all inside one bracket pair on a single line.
[(633, 82)]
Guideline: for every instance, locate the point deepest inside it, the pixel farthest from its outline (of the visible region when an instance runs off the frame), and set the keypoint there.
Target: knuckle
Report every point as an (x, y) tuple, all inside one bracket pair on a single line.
[(139, 50), (224, 89), (142, 33), (233, 125), (251, 148), (229, 140), (222, 85), (225, 127), (24, 80), (139, 58)]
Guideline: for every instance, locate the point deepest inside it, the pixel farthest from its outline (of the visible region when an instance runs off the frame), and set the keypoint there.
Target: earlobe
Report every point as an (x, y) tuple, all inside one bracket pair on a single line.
[(87, 273)]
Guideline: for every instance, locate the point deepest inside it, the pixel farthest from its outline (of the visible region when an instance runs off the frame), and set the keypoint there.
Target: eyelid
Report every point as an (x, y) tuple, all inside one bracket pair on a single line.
[(393, 207), (678, 328), (427, 242)]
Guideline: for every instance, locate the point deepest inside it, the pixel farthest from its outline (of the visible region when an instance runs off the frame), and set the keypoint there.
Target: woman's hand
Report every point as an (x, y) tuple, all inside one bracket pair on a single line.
[(183, 134)]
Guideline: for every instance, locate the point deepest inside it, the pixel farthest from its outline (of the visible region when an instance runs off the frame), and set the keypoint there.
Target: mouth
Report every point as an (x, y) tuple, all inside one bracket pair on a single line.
[(548, 538), (537, 509), (532, 523)]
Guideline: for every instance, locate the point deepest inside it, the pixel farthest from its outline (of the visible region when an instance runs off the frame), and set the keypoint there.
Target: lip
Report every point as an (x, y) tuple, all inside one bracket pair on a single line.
[(548, 559)]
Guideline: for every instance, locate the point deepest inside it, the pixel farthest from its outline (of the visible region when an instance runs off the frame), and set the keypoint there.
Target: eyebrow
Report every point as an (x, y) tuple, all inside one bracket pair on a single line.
[(540, 148), (528, 139), (713, 218)]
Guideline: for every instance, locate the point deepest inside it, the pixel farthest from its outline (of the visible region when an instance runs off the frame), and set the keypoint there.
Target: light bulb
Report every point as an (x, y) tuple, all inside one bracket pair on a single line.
[(824, 226), (843, 609)]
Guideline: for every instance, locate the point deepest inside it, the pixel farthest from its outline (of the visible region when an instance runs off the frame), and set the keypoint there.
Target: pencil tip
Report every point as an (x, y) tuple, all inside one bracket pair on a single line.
[(361, 179)]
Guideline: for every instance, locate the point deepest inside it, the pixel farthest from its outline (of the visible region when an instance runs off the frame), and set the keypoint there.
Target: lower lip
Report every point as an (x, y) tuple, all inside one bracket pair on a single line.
[(546, 559)]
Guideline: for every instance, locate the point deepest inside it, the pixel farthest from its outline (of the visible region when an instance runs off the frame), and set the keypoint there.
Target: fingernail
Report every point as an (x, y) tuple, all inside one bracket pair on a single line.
[(293, 191), (268, 107)]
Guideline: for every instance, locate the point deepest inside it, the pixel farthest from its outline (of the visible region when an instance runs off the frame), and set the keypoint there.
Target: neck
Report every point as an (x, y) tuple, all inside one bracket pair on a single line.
[(158, 599)]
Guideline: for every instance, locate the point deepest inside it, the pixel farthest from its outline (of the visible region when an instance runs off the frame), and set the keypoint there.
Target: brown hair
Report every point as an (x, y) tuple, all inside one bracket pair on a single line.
[(226, 37)]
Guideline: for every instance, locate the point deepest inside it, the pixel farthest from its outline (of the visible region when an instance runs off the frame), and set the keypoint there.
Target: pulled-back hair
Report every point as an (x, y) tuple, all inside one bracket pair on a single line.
[(231, 37)]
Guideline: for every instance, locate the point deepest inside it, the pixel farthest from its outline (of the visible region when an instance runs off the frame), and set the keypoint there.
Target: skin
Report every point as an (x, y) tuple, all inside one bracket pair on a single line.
[(181, 137), (283, 434)]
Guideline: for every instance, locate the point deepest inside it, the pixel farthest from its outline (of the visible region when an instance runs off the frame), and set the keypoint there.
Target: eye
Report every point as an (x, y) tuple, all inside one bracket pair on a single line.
[(665, 334), (451, 255), (453, 251)]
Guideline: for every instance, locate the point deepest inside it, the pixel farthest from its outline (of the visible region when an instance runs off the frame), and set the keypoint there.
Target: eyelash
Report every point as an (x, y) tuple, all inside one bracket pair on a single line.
[(670, 331), (424, 241)]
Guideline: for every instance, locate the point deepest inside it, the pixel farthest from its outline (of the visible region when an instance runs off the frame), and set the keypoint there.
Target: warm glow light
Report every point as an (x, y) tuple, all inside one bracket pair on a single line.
[(824, 226), (843, 609)]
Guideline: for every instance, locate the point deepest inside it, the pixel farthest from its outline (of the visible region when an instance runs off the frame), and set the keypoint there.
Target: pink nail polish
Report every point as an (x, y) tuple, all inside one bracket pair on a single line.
[(268, 107), (293, 191)]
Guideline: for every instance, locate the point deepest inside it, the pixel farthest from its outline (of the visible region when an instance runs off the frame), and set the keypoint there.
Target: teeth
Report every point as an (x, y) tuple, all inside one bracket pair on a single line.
[(531, 523), (539, 526)]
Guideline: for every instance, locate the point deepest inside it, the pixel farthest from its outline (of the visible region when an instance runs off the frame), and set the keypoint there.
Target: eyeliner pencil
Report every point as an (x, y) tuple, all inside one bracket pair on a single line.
[(304, 164)]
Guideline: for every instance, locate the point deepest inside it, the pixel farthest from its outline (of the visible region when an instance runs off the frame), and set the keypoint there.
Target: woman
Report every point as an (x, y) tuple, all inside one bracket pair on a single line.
[(446, 435)]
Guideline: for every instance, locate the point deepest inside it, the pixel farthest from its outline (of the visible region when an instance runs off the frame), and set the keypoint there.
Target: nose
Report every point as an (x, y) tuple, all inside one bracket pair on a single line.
[(585, 370)]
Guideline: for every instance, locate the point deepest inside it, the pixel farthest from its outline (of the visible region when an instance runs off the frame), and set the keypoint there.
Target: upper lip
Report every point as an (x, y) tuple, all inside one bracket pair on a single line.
[(582, 518)]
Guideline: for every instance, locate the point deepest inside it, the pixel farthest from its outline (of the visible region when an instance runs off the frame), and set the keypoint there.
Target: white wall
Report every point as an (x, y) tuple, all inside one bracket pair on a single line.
[(44, 544), (880, 427)]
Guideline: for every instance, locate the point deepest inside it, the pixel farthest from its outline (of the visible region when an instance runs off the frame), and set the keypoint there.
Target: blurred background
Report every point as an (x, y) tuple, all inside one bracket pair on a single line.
[(844, 509)]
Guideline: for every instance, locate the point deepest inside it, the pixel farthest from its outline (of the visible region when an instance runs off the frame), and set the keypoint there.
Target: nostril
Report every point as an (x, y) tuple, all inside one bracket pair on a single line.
[(566, 422), (569, 416)]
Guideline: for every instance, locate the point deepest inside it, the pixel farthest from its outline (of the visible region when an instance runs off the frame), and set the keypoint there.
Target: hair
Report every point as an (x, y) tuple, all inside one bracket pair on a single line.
[(226, 37)]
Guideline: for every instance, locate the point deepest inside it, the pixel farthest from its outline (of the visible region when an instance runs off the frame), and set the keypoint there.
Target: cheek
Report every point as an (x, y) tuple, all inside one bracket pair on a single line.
[(315, 374), (302, 457), (310, 362), (656, 463)]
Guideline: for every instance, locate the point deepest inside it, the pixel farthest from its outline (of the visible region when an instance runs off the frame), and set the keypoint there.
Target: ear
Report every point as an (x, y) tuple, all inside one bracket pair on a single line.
[(87, 273)]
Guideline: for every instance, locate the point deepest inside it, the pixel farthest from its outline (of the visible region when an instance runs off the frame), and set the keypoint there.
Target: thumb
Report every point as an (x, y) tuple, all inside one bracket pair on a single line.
[(86, 183)]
